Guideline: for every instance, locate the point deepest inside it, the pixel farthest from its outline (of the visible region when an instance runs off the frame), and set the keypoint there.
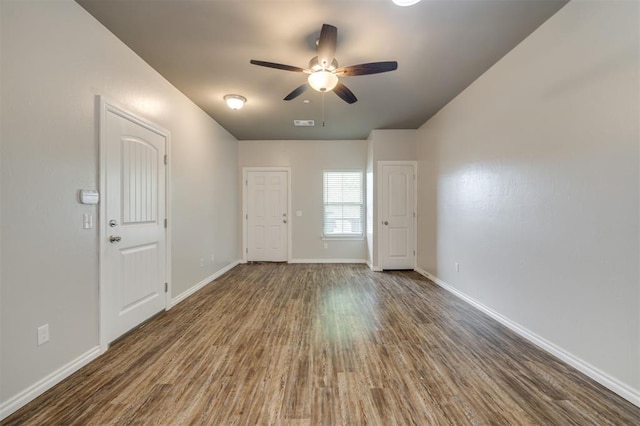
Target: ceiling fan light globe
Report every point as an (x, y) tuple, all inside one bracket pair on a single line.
[(405, 2), (322, 81)]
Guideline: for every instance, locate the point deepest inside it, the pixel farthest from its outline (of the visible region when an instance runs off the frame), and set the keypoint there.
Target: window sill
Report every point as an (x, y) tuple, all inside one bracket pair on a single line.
[(327, 238)]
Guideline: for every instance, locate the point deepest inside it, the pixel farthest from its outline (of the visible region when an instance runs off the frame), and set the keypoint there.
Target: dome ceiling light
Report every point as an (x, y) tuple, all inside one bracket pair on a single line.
[(235, 102), (405, 2)]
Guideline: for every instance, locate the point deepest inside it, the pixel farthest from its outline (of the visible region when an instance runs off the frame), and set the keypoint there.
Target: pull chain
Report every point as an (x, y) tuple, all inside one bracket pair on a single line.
[(323, 109)]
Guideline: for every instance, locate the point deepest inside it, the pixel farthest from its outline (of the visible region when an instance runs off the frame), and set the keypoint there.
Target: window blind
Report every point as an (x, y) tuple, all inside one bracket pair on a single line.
[(343, 204)]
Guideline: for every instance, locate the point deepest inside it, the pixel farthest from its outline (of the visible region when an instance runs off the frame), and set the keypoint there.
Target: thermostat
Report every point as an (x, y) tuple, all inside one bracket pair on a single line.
[(89, 196)]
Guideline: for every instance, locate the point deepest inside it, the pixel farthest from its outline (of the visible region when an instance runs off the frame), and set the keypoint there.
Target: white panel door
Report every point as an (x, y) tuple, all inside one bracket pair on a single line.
[(267, 221), (135, 252), (397, 217)]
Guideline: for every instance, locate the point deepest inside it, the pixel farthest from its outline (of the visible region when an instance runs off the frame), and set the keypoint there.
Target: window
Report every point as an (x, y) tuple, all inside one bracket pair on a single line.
[(343, 214)]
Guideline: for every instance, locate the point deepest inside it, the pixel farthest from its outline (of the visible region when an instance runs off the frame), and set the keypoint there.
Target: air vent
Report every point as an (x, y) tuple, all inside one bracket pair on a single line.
[(304, 123)]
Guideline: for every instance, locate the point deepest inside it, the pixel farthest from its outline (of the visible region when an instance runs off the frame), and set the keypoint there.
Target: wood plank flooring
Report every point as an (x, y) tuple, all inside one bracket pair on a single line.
[(298, 344)]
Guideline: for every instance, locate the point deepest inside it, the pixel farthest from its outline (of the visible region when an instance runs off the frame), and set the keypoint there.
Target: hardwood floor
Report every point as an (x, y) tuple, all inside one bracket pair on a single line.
[(294, 344)]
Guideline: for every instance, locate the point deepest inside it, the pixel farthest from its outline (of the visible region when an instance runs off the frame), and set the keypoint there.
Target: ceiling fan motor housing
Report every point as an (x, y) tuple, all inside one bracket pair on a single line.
[(314, 65)]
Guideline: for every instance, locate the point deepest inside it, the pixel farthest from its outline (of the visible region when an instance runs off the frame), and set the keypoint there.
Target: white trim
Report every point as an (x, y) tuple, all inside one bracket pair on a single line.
[(324, 238), (106, 104), (613, 384), (363, 194), (204, 283), (373, 268), (169, 217), (41, 386), (328, 261), (380, 208), (245, 242)]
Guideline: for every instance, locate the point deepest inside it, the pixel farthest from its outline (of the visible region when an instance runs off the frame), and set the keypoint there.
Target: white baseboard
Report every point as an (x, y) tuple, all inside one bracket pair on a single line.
[(328, 261), (373, 267), (613, 384), (32, 392), (203, 283)]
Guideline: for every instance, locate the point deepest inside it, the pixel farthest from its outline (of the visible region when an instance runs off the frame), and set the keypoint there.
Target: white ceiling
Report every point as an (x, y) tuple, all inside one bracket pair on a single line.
[(203, 47)]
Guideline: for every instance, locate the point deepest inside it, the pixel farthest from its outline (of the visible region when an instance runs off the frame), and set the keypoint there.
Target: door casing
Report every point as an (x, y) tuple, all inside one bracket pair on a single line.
[(245, 205), (379, 207), (104, 106)]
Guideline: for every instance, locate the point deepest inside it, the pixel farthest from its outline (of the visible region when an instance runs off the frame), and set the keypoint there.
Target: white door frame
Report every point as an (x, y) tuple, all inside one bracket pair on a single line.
[(106, 105), (379, 228), (245, 177)]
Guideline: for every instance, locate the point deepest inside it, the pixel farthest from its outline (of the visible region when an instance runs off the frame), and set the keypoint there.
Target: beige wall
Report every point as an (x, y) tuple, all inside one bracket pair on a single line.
[(307, 160), (369, 188), (55, 59), (530, 180)]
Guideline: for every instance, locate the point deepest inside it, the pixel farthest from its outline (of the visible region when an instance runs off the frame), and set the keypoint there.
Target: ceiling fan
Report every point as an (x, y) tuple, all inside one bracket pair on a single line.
[(324, 73)]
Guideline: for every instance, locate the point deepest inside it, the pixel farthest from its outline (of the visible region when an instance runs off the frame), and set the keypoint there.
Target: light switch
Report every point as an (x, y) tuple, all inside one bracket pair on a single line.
[(87, 221), (299, 213)]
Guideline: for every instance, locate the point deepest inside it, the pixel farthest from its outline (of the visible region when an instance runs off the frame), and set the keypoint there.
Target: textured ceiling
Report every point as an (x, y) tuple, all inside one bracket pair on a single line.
[(203, 47)]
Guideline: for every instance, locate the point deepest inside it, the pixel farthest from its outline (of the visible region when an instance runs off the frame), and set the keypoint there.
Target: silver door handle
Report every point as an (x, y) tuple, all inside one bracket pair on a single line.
[(386, 222), (113, 239), (113, 223)]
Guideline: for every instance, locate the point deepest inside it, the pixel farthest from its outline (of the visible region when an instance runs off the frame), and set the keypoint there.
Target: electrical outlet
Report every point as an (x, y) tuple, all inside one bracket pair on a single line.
[(457, 267), (43, 334)]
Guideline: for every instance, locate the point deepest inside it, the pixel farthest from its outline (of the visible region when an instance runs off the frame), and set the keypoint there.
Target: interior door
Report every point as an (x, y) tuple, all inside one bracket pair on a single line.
[(267, 220), (135, 237), (398, 213)]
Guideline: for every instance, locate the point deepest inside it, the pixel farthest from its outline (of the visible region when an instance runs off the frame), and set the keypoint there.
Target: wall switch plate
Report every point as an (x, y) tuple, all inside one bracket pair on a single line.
[(43, 334), (202, 261), (457, 267), (87, 221), (213, 257), (298, 213)]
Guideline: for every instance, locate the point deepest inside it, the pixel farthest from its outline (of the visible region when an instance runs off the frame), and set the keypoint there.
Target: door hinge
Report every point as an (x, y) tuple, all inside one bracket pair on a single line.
[(166, 287), (414, 214), (165, 160), (246, 182), (166, 223), (414, 252), (246, 250), (246, 216)]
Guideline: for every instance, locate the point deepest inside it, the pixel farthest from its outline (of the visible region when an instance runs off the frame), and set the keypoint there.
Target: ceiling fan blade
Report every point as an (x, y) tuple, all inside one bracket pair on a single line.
[(365, 69), (277, 66), (327, 44), (296, 92), (344, 93)]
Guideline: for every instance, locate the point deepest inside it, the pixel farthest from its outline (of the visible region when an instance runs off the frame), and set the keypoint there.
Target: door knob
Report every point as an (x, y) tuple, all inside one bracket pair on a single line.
[(386, 222), (113, 223), (284, 220), (113, 239)]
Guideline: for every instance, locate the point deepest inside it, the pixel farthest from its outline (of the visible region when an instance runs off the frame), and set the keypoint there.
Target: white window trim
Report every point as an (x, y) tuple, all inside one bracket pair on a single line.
[(346, 237), (342, 238)]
